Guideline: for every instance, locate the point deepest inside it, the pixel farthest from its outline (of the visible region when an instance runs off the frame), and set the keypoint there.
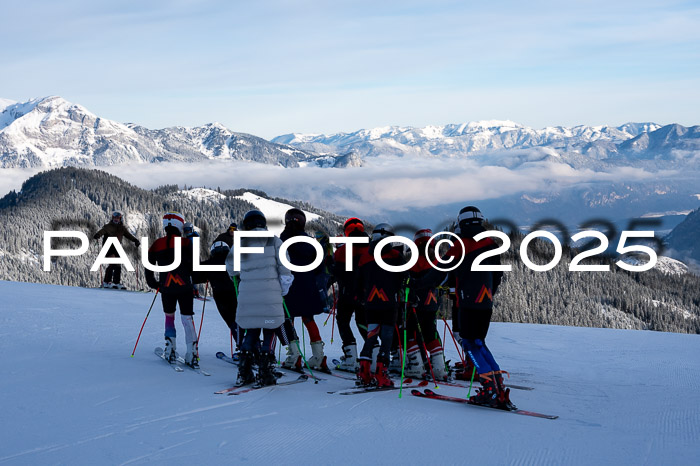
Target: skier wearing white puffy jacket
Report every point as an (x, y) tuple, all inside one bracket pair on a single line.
[(264, 281)]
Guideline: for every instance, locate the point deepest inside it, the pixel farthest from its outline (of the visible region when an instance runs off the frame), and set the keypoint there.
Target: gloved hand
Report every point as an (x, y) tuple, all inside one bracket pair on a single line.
[(413, 299), (137, 243), (152, 282), (96, 236)]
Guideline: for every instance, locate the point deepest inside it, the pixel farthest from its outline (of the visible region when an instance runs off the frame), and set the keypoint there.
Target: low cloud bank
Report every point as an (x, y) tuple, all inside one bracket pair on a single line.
[(385, 183)]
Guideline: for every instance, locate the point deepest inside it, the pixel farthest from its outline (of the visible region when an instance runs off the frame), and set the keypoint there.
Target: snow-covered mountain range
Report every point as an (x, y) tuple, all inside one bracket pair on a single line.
[(578, 145), (52, 132)]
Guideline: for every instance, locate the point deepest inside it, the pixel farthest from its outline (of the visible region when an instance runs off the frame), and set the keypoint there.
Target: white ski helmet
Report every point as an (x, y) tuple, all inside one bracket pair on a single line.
[(174, 219)]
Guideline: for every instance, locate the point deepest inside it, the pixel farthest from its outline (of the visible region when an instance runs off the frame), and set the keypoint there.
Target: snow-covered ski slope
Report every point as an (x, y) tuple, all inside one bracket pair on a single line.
[(71, 394)]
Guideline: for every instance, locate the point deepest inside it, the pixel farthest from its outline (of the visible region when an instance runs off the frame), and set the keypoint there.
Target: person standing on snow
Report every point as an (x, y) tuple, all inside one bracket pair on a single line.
[(115, 228), (175, 287), (227, 236), (474, 292), (422, 312), (325, 279), (348, 295), (304, 298), (380, 291), (264, 282), (223, 288)]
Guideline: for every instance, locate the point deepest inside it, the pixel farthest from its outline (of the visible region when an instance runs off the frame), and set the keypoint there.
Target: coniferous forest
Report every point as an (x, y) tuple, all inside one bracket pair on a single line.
[(81, 199)]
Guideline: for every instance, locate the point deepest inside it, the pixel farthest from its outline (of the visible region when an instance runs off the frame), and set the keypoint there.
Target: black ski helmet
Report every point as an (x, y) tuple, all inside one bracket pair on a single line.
[(469, 215), (219, 247), (295, 216), (381, 231), (254, 219)]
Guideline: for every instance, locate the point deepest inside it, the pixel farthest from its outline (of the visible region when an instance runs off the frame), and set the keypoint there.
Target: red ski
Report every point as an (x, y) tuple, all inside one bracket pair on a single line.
[(427, 393)]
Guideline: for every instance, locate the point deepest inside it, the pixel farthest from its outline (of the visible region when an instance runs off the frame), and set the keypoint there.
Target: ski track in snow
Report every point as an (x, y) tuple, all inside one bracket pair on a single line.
[(74, 395)]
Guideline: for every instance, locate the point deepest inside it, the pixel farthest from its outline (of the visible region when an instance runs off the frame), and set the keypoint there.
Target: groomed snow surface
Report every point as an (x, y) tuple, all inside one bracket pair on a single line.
[(71, 394)]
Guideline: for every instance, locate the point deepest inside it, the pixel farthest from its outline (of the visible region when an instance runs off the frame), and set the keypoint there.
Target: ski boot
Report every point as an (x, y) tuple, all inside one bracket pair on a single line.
[(106, 284), (118, 286), (437, 362), (395, 364), (348, 362), (191, 357), (318, 360), (375, 354), (381, 376), (487, 395), (415, 368), (245, 369), (266, 375), (364, 376), (293, 360), (169, 353), (464, 372), (504, 394)]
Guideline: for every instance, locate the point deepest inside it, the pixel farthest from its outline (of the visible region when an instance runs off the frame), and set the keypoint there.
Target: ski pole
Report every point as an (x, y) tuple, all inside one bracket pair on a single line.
[(469, 393), (334, 312), (204, 303), (201, 322), (398, 336), (403, 360), (144, 322), (459, 352), (279, 356), (284, 303), (422, 337)]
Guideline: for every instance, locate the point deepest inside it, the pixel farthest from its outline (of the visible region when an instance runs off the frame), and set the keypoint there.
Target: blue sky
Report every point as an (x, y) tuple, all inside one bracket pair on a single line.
[(269, 68)]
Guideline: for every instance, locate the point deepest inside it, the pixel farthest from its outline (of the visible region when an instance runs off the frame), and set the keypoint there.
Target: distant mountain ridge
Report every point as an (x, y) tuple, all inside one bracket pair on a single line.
[(625, 143), (52, 132)]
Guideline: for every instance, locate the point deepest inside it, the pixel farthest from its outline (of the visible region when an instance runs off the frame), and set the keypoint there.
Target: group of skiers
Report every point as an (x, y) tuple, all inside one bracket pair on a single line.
[(260, 301)]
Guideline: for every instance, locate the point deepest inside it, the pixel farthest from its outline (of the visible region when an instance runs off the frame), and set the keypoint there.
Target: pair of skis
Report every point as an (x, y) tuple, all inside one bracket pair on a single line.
[(244, 389), (228, 359), (372, 389), (249, 388), (429, 394), (179, 363)]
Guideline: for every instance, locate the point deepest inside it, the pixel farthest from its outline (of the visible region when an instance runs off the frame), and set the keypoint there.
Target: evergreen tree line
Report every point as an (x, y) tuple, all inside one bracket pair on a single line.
[(80, 199)]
